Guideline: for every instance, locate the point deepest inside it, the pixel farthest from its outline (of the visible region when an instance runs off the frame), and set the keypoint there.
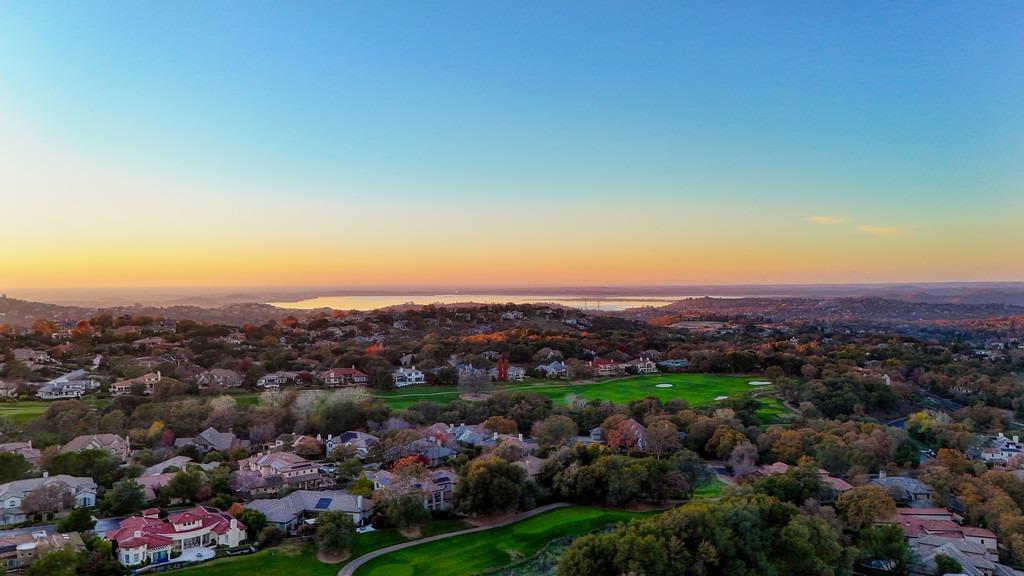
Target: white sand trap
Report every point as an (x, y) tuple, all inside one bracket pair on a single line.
[(720, 398), (663, 385), (760, 383)]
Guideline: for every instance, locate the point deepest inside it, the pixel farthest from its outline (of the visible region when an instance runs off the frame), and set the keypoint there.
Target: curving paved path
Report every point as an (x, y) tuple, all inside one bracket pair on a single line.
[(350, 568)]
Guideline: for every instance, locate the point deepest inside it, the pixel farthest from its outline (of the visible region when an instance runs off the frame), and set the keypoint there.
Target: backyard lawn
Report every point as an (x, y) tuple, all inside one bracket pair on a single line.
[(473, 553)]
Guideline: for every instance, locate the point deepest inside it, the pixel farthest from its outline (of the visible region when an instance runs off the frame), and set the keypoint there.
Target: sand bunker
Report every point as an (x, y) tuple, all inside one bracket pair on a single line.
[(760, 383), (720, 398), (663, 385)]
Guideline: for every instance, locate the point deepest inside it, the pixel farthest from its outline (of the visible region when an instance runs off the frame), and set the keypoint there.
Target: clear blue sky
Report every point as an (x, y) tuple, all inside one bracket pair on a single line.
[(892, 118)]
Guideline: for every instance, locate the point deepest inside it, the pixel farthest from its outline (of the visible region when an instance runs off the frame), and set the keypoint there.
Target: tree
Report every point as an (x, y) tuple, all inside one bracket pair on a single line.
[(334, 532), (885, 544), (693, 469), (946, 565), (270, 535), (13, 466), (663, 436), (864, 505), (78, 520), (46, 499), (743, 460), (405, 510), (491, 485), (555, 430), (501, 425), (126, 497), (254, 520), (59, 562), (99, 559), (362, 486), (185, 484)]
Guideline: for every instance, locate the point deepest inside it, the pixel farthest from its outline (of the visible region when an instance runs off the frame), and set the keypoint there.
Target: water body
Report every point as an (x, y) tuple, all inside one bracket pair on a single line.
[(373, 302)]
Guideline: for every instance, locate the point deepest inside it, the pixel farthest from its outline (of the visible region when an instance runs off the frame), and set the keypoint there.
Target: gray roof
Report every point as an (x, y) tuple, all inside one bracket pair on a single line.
[(19, 488), (284, 510), (177, 461)]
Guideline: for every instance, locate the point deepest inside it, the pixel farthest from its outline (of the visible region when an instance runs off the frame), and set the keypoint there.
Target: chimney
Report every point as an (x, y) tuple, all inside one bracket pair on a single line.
[(1016, 439), (328, 437), (359, 502), (1001, 436), (881, 473), (318, 439), (29, 443), (520, 436), (46, 474)]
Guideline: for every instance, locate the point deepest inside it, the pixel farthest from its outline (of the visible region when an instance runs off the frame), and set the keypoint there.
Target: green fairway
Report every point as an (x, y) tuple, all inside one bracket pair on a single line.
[(26, 410), (695, 389), (295, 559), (473, 553)]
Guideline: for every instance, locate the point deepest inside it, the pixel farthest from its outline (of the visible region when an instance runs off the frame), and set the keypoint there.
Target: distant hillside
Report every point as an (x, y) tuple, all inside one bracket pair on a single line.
[(23, 313)]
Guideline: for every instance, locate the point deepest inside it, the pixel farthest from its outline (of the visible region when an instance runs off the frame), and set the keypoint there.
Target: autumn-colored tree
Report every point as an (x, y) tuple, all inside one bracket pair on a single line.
[(501, 425), (865, 505)]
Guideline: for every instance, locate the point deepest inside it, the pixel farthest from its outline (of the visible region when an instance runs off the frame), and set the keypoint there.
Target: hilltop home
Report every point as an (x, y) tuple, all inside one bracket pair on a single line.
[(437, 486), (21, 499), (116, 445), (18, 551), (277, 379), (25, 449), (408, 377), (65, 389), (293, 510), (147, 381), (343, 377), (269, 473), (148, 539), (360, 441), (219, 377), (904, 490), (212, 439)]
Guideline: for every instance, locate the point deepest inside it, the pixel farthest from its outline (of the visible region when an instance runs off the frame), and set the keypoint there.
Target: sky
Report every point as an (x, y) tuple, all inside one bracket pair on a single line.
[(364, 144)]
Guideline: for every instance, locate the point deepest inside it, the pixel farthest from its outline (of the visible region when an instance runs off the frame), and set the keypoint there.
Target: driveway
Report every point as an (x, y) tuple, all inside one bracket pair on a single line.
[(350, 568)]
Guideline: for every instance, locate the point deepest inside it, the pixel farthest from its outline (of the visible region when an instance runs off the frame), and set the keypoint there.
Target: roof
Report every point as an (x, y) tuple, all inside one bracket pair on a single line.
[(284, 510), (102, 441)]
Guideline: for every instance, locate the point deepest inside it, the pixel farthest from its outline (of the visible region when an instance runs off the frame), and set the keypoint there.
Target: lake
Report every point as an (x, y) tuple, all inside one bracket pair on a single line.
[(373, 302)]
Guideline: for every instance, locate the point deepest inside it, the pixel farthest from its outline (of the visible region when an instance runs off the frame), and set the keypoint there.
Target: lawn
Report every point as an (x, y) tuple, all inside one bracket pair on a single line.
[(296, 559), (26, 410), (695, 389), (473, 553)]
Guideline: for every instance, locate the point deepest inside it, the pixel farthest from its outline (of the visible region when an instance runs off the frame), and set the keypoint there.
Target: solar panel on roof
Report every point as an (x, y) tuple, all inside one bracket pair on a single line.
[(323, 503)]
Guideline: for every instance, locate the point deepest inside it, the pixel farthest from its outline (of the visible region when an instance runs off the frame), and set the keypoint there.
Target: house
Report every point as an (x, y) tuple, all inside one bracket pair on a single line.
[(219, 377), (436, 486), (64, 389), (269, 473), (905, 491), (514, 374), (290, 512), (21, 499), (178, 462), (343, 377), (837, 484), (628, 434), (148, 539), (147, 381), (277, 379), (116, 445), (212, 439), (18, 551), (607, 367), (675, 365), (360, 441), (998, 449), (8, 389), (641, 366), (25, 449), (408, 377), (532, 465), (554, 370), (31, 356)]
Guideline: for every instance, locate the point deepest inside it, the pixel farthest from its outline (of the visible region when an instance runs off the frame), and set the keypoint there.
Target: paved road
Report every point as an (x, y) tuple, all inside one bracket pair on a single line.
[(350, 568)]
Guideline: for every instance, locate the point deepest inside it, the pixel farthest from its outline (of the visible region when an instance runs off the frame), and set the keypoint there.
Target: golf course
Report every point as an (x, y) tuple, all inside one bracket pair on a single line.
[(474, 553), (696, 389)]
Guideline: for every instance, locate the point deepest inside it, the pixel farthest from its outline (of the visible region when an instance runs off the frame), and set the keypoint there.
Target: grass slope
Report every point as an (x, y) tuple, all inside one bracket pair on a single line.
[(295, 559), (24, 411), (472, 553)]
